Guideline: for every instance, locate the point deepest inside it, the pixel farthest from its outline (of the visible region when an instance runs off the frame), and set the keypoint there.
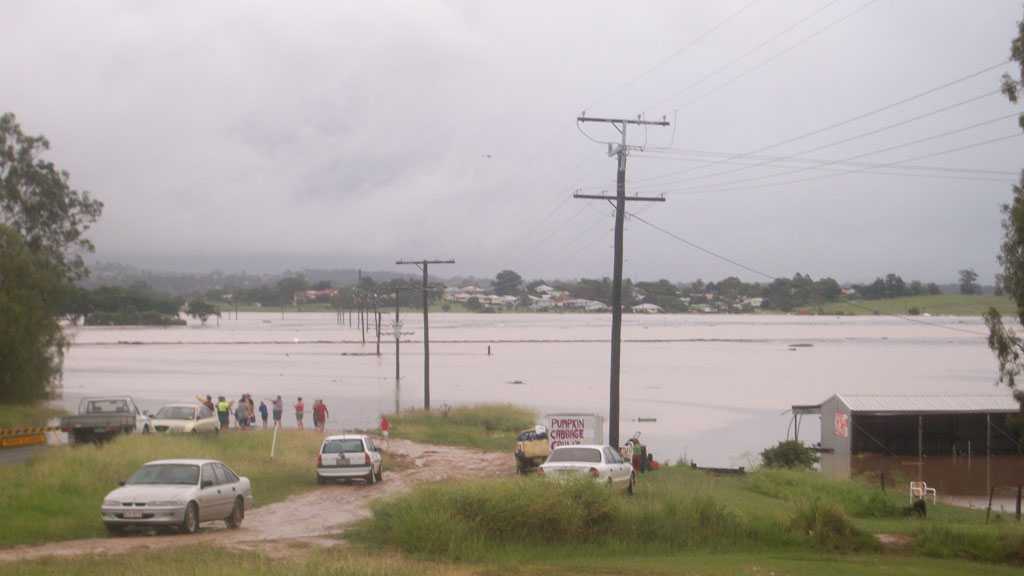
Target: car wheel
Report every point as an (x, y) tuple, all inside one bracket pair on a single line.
[(237, 515), (320, 479), (631, 487), (190, 524), (371, 478), (114, 531), (380, 474)]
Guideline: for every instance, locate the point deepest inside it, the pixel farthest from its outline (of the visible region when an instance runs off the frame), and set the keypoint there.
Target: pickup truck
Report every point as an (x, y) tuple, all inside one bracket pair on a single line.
[(100, 419)]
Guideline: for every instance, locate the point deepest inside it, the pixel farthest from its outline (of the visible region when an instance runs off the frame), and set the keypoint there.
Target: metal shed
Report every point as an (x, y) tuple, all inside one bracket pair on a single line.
[(959, 444)]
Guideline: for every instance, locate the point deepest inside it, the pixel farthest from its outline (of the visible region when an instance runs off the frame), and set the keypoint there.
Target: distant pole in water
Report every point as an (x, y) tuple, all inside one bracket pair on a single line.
[(621, 152), (398, 341), (423, 265), (488, 349)]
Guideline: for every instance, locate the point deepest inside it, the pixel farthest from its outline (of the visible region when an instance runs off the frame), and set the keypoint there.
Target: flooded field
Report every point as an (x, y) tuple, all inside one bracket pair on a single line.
[(718, 386)]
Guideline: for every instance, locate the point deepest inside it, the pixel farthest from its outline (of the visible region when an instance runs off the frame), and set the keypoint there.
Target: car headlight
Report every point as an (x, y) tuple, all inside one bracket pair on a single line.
[(111, 503), (159, 503)]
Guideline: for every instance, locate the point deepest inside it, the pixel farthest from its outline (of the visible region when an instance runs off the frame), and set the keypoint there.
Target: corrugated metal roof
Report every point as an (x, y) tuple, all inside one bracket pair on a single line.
[(923, 404)]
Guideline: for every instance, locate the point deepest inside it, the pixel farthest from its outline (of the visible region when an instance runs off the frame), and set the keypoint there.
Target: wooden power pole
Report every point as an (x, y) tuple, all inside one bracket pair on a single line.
[(621, 151), (423, 265)]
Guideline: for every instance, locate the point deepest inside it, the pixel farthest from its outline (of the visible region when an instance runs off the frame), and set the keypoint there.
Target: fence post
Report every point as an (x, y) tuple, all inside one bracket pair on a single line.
[(273, 443), (988, 511)]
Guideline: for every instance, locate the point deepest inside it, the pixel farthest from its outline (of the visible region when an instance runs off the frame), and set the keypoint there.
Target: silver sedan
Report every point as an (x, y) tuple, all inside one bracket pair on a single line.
[(178, 493)]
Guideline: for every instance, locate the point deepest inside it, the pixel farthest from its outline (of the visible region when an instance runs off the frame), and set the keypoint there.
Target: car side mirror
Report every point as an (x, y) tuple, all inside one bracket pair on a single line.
[(120, 482), (206, 483)]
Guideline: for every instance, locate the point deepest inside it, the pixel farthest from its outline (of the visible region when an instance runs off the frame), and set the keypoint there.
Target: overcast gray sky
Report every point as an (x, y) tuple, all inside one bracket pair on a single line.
[(272, 135)]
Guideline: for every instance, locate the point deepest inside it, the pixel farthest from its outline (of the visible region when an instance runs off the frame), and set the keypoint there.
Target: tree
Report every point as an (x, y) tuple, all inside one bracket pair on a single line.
[(933, 289), (1006, 345), (32, 343), (789, 454), (289, 285), (38, 202), (997, 285), (508, 283), (969, 281), (201, 309)]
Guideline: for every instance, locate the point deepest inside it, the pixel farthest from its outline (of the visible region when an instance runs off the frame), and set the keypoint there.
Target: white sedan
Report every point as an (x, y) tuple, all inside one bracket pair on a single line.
[(602, 463), (178, 493), (185, 418)]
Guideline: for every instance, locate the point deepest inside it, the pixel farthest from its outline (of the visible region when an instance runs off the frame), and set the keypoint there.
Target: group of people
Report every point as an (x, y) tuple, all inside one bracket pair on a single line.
[(245, 410)]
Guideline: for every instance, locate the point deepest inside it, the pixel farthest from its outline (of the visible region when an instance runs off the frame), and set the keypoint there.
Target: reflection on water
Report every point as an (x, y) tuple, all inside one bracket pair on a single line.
[(716, 385)]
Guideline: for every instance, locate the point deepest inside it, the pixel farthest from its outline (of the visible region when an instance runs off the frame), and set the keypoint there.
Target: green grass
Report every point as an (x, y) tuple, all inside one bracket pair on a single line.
[(938, 305), (57, 495), (676, 509), (356, 561), (487, 426), (22, 415)]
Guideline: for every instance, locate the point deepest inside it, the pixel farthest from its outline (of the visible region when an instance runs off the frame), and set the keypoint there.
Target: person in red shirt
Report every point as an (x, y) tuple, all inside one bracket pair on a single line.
[(385, 426), (300, 411), (320, 413)]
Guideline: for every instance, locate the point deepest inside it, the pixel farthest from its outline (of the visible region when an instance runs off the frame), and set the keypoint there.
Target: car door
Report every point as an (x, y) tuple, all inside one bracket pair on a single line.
[(229, 486), (375, 456), (204, 419), (616, 465), (211, 501)]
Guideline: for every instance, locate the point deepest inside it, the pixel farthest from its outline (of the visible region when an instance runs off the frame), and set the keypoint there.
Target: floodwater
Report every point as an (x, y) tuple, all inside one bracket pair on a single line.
[(716, 385)]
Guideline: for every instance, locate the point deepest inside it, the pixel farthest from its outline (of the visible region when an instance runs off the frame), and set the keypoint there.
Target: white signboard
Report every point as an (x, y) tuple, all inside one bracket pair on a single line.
[(571, 429)]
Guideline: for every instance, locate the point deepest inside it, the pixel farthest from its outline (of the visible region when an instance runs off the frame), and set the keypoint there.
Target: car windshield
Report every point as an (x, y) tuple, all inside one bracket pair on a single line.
[(175, 413), (591, 455), (166, 474), (339, 446)]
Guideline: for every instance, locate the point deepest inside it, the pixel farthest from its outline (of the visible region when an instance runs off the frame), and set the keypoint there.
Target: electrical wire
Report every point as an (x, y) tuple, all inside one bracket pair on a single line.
[(856, 118), (778, 55), (855, 137), (674, 54), (855, 171)]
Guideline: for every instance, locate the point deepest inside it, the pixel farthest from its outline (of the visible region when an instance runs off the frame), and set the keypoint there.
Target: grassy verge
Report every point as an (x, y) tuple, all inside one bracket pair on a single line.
[(57, 495), (937, 305), (355, 561), (677, 510), (20, 415), (487, 427)]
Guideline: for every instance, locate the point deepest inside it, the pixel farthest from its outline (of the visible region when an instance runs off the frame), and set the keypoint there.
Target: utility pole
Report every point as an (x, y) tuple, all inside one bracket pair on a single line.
[(621, 152), (398, 341), (423, 265)]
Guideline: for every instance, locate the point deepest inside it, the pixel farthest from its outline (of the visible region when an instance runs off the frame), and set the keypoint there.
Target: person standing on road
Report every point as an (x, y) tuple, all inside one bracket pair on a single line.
[(223, 412), (320, 413), (263, 413), (252, 409), (300, 411), (385, 429), (242, 413), (278, 404), (208, 402)]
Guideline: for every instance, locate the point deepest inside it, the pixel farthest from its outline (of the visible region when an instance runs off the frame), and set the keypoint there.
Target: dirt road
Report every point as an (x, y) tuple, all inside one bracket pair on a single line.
[(311, 517)]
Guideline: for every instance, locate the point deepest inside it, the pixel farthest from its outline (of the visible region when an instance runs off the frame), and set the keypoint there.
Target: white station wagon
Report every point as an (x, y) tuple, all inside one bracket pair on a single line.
[(349, 456), (602, 463)]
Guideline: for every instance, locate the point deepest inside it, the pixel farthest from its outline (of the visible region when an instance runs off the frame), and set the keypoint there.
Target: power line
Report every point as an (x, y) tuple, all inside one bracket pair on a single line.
[(691, 155), (869, 168), (674, 55), (855, 171), (772, 277), (855, 137), (771, 59), (856, 118)]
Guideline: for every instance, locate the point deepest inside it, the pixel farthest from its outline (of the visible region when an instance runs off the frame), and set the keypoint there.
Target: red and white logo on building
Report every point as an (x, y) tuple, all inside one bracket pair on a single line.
[(842, 425)]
